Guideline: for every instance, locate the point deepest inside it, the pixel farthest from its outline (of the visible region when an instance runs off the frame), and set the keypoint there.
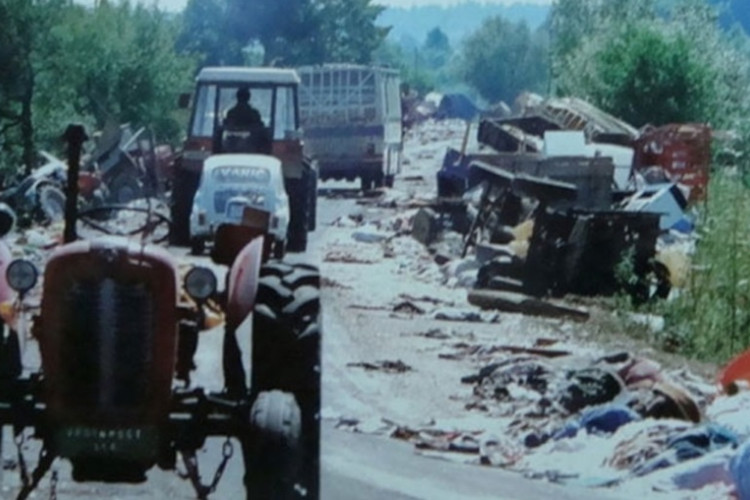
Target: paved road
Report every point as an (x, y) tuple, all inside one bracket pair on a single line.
[(354, 466)]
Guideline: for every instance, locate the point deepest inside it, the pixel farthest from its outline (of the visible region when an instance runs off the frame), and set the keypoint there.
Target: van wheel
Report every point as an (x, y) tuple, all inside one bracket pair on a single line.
[(366, 182), (279, 249)]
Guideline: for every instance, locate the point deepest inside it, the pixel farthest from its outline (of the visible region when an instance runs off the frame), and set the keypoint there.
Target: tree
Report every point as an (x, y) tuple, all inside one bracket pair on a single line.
[(291, 32), (503, 59), (413, 71), (84, 64), (648, 65), (437, 49), (205, 31), (641, 74), (24, 43)]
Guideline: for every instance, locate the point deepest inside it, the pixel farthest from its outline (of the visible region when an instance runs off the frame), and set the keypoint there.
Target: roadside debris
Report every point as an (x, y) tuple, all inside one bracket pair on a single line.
[(397, 366), (519, 227)]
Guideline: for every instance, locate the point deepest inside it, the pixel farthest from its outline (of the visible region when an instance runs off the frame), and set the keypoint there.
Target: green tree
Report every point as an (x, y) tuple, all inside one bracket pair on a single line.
[(642, 74), (437, 49), (291, 32), (25, 45), (84, 64), (648, 65), (205, 31), (502, 59), (410, 63)]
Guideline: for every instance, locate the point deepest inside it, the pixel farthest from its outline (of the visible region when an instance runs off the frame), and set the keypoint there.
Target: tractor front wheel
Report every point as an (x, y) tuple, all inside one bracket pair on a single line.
[(286, 351), (272, 450)]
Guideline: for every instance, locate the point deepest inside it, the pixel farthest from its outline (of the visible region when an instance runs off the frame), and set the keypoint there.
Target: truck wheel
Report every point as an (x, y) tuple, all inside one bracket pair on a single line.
[(272, 450), (378, 179), (286, 351), (366, 182), (51, 203)]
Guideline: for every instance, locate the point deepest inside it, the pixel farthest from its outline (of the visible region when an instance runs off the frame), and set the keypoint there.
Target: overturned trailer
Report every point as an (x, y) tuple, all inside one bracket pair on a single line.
[(578, 243)]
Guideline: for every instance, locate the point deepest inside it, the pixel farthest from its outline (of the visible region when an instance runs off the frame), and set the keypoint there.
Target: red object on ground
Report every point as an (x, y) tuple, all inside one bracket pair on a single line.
[(738, 369), (682, 150), (87, 183)]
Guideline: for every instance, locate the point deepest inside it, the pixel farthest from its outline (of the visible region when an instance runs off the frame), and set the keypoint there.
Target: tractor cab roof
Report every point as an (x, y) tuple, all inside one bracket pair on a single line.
[(249, 75)]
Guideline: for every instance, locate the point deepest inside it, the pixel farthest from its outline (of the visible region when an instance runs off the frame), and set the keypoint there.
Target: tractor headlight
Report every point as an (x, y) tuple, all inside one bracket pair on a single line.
[(200, 283), (21, 275)]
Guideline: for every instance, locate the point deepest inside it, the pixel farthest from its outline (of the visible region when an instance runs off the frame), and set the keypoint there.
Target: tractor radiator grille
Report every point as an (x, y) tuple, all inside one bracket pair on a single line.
[(107, 346)]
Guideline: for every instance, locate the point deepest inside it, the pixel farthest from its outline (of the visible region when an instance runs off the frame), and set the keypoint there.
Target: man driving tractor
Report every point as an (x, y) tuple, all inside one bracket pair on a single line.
[(242, 115)]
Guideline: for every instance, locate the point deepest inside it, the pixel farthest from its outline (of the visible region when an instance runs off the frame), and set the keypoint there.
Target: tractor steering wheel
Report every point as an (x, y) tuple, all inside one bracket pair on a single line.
[(93, 216)]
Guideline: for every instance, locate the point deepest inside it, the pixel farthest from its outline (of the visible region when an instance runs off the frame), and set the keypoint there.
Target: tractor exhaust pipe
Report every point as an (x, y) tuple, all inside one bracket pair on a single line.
[(75, 136)]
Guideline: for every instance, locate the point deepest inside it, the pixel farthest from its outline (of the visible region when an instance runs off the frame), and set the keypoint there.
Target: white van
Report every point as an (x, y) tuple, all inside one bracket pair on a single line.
[(231, 182)]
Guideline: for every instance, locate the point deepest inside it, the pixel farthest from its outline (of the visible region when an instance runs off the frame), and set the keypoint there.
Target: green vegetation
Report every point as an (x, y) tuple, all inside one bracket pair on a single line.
[(710, 318), (121, 61), (660, 62), (288, 32), (503, 59), (63, 62), (646, 65)]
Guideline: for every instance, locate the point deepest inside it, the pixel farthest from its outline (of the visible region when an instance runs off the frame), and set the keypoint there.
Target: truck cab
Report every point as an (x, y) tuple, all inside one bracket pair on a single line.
[(274, 94)]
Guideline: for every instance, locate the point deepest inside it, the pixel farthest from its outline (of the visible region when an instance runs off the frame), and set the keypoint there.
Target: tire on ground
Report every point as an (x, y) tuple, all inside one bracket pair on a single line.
[(286, 351), (51, 203), (123, 189)]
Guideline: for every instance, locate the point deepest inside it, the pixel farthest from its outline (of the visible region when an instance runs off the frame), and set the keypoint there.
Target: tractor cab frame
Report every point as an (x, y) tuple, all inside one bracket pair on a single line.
[(274, 94)]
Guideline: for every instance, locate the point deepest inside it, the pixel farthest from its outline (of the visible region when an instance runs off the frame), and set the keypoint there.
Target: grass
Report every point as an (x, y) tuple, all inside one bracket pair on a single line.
[(710, 319)]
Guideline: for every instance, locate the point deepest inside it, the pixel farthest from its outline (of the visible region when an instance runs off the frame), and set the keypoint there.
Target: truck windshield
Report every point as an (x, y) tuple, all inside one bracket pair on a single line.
[(212, 102)]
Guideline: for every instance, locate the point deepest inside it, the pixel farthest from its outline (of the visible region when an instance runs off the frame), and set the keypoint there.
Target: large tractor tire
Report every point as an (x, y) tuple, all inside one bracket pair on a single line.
[(312, 192), (298, 215), (272, 450), (286, 351), (184, 186)]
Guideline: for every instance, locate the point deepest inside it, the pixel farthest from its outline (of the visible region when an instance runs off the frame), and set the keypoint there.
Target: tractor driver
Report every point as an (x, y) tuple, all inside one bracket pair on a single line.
[(242, 115)]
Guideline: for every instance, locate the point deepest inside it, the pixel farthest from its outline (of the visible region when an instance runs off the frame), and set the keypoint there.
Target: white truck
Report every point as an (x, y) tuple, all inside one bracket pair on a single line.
[(351, 120)]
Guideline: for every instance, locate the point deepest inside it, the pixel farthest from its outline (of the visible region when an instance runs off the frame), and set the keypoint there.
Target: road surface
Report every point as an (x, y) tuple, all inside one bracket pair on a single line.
[(354, 466)]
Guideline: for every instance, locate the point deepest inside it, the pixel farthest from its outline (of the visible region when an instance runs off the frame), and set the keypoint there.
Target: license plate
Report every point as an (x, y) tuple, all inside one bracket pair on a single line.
[(235, 211), (125, 443)]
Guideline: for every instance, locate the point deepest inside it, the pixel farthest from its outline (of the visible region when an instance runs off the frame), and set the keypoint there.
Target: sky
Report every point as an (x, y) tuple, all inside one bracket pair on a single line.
[(177, 5)]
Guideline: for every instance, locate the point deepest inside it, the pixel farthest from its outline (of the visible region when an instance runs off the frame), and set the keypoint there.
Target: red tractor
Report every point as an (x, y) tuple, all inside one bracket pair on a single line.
[(274, 96), (117, 333)]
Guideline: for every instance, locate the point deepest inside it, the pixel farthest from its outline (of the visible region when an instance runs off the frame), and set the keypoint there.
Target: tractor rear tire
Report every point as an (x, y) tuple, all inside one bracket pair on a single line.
[(286, 340), (296, 240), (312, 193), (184, 185), (272, 450)]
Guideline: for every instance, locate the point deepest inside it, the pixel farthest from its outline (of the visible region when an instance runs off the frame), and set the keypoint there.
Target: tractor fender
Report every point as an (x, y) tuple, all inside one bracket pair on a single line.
[(6, 293), (242, 282)]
